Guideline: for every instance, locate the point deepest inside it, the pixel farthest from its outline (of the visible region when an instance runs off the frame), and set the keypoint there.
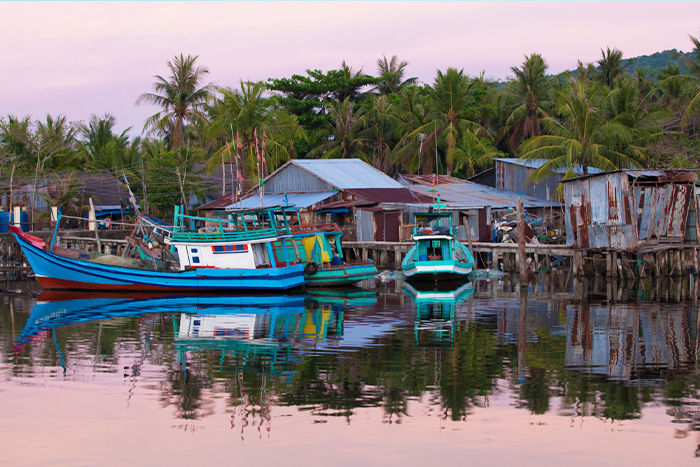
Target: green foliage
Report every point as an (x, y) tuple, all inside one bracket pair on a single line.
[(305, 96)]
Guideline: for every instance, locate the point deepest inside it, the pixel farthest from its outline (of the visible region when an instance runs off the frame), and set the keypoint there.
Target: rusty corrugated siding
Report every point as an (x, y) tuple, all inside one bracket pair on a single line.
[(655, 208), (679, 210)]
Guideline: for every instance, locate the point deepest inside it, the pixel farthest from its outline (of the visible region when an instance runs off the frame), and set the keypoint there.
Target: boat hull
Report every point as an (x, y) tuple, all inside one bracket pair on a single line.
[(437, 271), (341, 275), (59, 273)]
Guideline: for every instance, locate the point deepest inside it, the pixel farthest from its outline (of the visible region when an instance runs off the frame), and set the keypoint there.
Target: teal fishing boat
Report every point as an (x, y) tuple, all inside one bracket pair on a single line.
[(320, 247), (437, 255)]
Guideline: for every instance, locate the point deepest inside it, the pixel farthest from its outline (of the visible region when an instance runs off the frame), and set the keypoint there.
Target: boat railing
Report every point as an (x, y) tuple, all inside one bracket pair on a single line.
[(228, 226), (315, 228)]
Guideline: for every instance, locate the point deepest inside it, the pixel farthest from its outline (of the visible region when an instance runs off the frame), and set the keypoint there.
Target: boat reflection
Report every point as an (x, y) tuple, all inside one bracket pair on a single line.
[(435, 322), (57, 309)]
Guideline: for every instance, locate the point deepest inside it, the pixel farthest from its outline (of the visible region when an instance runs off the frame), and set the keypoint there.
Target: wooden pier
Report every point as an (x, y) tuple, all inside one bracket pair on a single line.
[(501, 256), (659, 261)]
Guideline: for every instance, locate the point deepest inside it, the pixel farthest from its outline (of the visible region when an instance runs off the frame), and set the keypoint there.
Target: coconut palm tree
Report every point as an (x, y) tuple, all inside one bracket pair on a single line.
[(100, 148), (391, 74), (692, 64), (452, 113), (249, 115), (181, 98), (413, 108), (381, 133), (342, 135), (583, 136), (610, 66), (473, 154), (529, 88)]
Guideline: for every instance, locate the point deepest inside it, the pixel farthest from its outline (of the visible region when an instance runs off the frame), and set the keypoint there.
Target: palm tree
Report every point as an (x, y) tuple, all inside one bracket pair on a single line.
[(381, 131), (610, 66), (342, 134), (452, 114), (391, 74), (693, 65), (56, 141), (473, 154), (100, 148), (583, 137), (248, 113), (413, 108), (181, 98), (530, 87)]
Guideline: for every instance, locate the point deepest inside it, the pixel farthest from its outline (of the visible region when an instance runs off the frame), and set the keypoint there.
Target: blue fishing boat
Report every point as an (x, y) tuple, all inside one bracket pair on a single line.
[(437, 255), (226, 254)]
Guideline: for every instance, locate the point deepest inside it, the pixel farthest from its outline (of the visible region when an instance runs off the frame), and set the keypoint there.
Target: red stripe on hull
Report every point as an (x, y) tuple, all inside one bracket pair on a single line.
[(52, 283)]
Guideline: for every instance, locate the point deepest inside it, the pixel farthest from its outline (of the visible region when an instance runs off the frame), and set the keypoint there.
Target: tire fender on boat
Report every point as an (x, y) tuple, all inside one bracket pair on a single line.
[(311, 268)]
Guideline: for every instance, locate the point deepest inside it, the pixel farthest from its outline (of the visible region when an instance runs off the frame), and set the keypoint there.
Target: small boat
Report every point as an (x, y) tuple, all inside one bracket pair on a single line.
[(319, 246), (438, 255), (226, 255)]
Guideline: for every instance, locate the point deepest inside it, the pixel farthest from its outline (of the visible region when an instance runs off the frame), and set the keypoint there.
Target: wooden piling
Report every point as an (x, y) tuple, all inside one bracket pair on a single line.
[(521, 241)]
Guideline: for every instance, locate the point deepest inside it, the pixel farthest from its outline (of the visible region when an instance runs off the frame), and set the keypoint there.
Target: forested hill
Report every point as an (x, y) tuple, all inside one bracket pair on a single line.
[(656, 62)]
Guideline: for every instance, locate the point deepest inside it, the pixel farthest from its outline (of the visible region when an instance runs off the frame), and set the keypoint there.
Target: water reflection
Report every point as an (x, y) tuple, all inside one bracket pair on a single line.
[(338, 353), (436, 319)]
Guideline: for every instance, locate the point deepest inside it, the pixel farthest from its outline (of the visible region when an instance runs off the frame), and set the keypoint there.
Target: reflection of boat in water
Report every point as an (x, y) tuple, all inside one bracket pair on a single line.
[(56, 309), (423, 295), (435, 322), (351, 296), (253, 335)]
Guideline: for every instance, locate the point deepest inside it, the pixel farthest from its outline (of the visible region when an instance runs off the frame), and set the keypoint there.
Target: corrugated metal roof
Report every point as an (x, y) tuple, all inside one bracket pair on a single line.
[(536, 164), (388, 195), (676, 175), (474, 195), (299, 200), (428, 180), (347, 173)]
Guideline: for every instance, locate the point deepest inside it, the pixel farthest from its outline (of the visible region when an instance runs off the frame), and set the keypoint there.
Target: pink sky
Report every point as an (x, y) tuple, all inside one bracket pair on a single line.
[(82, 58)]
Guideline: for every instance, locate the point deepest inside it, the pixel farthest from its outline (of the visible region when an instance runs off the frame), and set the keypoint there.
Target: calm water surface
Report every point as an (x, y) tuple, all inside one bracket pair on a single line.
[(483, 375)]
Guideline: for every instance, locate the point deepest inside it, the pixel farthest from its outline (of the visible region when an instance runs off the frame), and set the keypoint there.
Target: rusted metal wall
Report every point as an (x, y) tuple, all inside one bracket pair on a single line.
[(613, 210)]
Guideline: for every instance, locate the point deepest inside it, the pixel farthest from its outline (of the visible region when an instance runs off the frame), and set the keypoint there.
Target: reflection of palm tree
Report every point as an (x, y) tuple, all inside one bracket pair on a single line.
[(181, 97)]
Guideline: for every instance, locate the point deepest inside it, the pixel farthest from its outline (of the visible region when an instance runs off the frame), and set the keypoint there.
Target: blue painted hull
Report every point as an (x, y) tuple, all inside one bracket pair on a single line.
[(57, 272)]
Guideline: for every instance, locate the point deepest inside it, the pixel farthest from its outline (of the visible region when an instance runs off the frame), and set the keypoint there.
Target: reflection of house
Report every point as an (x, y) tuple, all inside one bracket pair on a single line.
[(363, 201), (623, 341), (629, 209), (473, 200)]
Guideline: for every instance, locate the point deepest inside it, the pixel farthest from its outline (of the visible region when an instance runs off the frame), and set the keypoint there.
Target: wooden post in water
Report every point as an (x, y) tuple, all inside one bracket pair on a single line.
[(521, 242), (93, 225)]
